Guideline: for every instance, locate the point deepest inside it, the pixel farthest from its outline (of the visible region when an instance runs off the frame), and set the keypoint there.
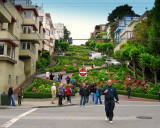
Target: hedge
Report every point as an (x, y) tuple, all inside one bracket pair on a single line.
[(148, 96)]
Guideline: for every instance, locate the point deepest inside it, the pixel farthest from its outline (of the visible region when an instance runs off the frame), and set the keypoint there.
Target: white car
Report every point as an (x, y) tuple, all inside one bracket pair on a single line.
[(112, 62)]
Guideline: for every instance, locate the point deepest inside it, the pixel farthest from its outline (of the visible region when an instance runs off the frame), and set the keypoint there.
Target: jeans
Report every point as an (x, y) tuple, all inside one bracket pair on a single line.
[(109, 107), (93, 97), (70, 98), (99, 97), (83, 98), (129, 94), (13, 102)]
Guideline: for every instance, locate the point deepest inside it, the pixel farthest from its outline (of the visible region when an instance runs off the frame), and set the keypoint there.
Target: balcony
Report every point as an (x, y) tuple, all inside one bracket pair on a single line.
[(34, 37), (25, 53), (4, 34), (10, 60), (29, 21), (5, 15)]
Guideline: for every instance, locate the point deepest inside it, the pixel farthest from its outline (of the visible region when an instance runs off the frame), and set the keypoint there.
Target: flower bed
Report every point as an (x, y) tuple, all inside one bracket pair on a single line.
[(122, 78), (43, 89)]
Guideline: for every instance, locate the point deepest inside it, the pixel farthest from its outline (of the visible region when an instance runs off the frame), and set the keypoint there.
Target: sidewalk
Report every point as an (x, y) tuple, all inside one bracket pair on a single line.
[(40, 103)]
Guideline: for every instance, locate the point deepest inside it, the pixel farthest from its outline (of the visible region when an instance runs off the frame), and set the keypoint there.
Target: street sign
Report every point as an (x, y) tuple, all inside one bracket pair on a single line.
[(83, 72)]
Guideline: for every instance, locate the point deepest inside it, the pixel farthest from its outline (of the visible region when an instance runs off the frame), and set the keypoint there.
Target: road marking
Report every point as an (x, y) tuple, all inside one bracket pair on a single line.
[(12, 121)]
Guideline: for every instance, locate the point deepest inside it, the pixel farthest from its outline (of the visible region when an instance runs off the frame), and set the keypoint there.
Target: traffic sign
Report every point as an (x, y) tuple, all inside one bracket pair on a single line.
[(83, 72)]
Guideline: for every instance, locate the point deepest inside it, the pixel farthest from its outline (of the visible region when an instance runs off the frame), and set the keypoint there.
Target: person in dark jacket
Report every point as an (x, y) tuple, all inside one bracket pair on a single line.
[(87, 96), (20, 95), (68, 79), (93, 94), (129, 91), (110, 93), (83, 93), (60, 94), (10, 94), (51, 76), (98, 94)]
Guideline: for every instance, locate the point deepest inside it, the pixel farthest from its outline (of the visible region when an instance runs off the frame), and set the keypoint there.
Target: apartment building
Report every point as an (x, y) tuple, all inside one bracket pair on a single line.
[(21, 37), (48, 44), (21, 2), (59, 30), (98, 29)]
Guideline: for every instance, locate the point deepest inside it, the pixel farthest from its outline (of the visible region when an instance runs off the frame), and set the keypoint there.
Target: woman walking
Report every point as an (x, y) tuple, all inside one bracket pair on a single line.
[(60, 94), (68, 93), (98, 94), (20, 95)]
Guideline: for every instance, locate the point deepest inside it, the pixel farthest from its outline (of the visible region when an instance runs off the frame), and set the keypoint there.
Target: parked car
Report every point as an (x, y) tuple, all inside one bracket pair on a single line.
[(67, 54), (95, 55), (112, 62), (91, 52)]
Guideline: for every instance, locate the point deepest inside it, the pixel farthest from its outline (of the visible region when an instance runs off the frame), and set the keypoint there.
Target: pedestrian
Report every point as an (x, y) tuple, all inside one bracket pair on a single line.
[(51, 76), (159, 94), (83, 93), (63, 92), (10, 94), (53, 91), (129, 91), (60, 77), (68, 79), (87, 96), (56, 78), (75, 83), (110, 93), (68, 93), (93, 94), (73, 80), (98, 94), (60, 94), (20, 95)]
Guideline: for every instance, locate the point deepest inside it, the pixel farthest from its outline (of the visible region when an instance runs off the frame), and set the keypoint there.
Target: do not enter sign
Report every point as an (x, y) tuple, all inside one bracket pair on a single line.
[(83, 72)]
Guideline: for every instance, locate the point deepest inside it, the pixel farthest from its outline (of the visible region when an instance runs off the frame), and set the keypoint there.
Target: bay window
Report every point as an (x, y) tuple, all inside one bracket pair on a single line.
[(27, 14), (1, 48), (25, 45), (9, 50)]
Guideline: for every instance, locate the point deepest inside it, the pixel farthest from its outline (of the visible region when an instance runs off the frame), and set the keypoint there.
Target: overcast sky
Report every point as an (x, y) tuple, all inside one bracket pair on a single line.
[(80, 16)]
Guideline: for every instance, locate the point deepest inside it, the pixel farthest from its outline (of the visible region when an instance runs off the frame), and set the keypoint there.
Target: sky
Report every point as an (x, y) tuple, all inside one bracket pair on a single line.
[(81, 16)]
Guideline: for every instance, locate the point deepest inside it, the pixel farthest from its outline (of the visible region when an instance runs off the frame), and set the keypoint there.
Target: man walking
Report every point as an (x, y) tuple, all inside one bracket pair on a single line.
[(110, 93), (53, 90), (68, 79), (10, 93), (83, 93)]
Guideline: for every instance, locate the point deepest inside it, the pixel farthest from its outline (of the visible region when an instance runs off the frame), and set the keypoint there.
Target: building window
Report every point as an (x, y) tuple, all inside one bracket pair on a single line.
[(9, 80), (17, 23), (47, 21), (16, 80), (13, 53), (26, 45), (9, 50), (47, 32), (27, 14), (33, 48), (1, 48), (28, 30)]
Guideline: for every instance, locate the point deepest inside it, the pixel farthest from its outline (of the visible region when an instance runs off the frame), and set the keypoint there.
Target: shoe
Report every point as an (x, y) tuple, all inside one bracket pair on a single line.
[(111, 122), (106, 118)]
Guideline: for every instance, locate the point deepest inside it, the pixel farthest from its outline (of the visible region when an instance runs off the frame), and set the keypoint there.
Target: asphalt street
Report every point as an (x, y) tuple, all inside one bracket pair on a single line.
[(90, 116)]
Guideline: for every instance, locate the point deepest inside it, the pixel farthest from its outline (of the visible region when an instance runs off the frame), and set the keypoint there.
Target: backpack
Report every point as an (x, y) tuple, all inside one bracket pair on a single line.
[(70, 90)]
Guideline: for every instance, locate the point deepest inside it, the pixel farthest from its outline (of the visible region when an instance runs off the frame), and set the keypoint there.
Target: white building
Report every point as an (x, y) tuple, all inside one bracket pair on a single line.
[(59, 30), (21, 2)]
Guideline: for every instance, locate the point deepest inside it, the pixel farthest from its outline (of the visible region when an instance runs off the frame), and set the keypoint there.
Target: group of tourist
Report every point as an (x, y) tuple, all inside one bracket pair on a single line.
[(56, 78), (62, 92)]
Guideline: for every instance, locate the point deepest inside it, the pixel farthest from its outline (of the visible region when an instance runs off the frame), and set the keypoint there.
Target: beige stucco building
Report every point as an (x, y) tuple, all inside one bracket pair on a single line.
[(21, 37)]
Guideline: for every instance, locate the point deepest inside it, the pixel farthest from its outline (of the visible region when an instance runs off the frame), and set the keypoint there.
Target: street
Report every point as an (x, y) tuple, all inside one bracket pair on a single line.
[(90, 116)]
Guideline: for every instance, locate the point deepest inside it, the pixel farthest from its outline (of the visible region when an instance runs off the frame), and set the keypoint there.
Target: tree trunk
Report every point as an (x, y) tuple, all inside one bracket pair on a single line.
[(134, 69), (143, 71), (155, 76)]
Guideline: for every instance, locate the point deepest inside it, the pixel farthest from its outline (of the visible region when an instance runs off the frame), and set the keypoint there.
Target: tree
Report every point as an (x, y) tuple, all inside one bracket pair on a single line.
[(144, 60), (119, 57), (64, 45), (154, 33), (155, 66), (120, 12), (66, 34), (141, 30)]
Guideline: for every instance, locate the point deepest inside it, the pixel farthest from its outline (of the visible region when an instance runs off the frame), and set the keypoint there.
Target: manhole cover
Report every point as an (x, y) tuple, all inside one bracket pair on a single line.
[(144, 117)]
